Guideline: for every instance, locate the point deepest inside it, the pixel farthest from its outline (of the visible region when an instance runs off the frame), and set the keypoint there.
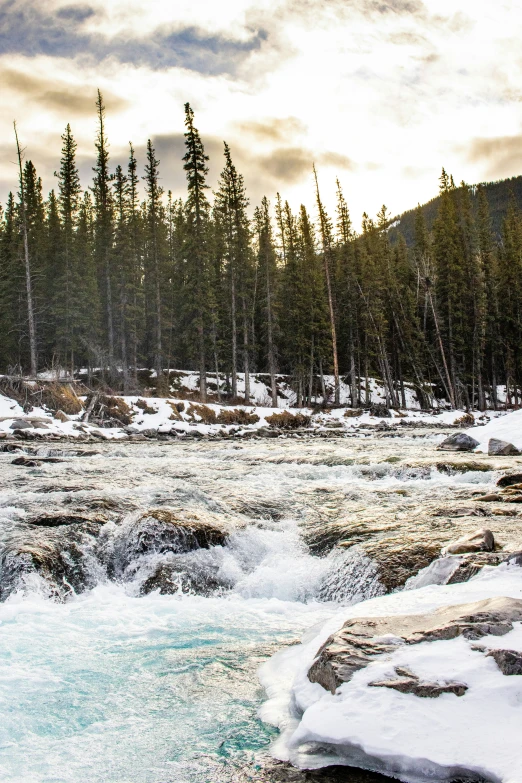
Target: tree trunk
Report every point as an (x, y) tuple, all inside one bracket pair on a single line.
[(28, 278), (246, 367), (234, 334)]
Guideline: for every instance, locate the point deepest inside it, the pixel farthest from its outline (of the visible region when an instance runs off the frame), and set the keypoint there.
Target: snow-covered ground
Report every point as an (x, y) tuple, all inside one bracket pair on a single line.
[(162, 416), (508, 428), (415, 739)]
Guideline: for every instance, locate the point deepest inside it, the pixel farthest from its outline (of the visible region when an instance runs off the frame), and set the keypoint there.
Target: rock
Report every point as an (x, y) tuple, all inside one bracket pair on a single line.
[(360, 640), (515, 559), (491, 498), (380, 410), (508, 661), (62, 519), (61, 416), (501, 448), (160, 531), (34, 462), (407, 682), (482, 540), (184, 575), (56, 554), (20, 424), (471, 564), (462, 467), (510, 480), (459, 441)]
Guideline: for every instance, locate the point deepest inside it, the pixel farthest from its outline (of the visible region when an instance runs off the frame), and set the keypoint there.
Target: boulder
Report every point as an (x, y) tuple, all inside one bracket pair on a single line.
[(34, 462), (21, 424), (482, 540), (459, 441), (186, 575), (515, 559), (501, 448), (510, 480), (161, 531), (362, 639), (508, 661), (471, 564)]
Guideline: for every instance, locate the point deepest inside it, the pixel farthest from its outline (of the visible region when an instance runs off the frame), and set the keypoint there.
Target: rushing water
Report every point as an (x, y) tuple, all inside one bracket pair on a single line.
[(109, 685)]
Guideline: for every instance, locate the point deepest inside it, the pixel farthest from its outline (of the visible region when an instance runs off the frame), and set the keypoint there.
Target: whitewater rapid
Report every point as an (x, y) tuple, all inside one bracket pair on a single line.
[(107, 684)]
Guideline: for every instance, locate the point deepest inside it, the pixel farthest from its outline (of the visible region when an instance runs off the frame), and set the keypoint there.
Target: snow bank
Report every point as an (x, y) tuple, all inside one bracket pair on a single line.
[(507, 427), (415, 739)]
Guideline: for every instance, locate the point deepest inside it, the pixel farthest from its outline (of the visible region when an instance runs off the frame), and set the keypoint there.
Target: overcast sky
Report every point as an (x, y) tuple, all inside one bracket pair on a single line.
[(380, 94)]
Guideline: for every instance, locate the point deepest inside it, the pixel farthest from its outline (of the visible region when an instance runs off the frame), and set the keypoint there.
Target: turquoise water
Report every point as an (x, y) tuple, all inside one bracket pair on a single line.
[(109, 687)]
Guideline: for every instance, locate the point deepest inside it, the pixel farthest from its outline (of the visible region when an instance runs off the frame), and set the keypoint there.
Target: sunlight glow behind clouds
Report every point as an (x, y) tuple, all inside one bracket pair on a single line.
[(380, 93)]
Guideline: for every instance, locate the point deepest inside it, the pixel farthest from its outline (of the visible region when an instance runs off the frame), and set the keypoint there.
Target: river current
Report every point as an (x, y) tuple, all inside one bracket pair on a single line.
[(105, 683)]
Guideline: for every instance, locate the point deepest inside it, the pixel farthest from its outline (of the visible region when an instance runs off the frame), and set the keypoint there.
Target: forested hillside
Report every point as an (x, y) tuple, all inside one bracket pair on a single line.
[(498, 194), (93, 276)]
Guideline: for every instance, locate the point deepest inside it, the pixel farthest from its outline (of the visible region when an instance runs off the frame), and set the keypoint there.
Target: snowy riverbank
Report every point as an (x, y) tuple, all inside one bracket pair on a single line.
[(415, 739)]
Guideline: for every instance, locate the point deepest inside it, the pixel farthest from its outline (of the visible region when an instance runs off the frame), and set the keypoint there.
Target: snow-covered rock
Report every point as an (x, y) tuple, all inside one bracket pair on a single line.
[(507, 428), (385, 730)]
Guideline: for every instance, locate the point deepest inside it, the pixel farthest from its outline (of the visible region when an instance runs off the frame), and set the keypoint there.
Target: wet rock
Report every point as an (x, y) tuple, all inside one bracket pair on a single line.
[(459, 441), (471, 564), (161, 531), (186, 576), (508, 661), (34, 462), (56, 555), (510, 480), (481, 540), (515, 559), (397, 560), (360, 640), (407, 682), (501, 448), (463, 511), (57, 520), (492, 497), (462, 467)]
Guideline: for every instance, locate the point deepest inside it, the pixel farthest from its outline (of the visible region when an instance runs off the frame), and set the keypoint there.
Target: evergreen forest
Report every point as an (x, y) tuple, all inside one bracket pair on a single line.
[(120, 275)]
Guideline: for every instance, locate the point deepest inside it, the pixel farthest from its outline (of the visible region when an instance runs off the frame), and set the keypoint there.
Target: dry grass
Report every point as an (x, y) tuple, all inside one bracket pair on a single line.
[(466, 420), (143, 406), (60, 397), (237, 416), (206, 415), (352, 413), (288, 421)]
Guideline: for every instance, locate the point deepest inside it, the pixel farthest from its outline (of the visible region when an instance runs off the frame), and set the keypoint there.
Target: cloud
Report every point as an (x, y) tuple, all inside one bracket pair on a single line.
[(55, 95), (273, 128), (27, 29), (502, 153)]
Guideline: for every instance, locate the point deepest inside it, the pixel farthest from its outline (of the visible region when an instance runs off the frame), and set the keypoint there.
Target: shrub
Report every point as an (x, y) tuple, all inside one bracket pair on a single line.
[(207, 415), (109, 411), (142, 405), (466, 420), (237, 416), (61, 397), (288, 421), (380, 410), (352, 413)]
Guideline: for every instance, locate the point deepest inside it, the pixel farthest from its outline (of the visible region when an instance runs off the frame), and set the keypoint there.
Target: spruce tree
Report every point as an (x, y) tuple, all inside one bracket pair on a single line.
[(197, 242)]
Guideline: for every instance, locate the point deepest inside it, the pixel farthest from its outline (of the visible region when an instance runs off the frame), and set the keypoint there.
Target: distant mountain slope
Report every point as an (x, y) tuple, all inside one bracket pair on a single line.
[(498, 193)]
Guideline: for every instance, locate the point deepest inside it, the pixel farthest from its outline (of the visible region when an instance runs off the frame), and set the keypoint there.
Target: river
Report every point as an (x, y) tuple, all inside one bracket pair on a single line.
[(100, 682)]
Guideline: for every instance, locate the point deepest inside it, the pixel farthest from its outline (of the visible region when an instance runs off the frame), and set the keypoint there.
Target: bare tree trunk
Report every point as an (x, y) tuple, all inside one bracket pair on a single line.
[(234, 333), (443, 355), (27, 263), (326, 260), (270, 336), (246, 362)]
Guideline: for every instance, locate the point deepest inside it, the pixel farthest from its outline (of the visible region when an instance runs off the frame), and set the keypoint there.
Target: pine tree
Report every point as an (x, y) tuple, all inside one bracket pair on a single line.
[(103, 232), (267, 264), (67, 274), (197, 245), (155, 227)]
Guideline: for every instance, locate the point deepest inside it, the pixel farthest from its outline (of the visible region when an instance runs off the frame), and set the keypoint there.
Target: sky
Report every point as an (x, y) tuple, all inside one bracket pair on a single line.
[(379, 94)]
